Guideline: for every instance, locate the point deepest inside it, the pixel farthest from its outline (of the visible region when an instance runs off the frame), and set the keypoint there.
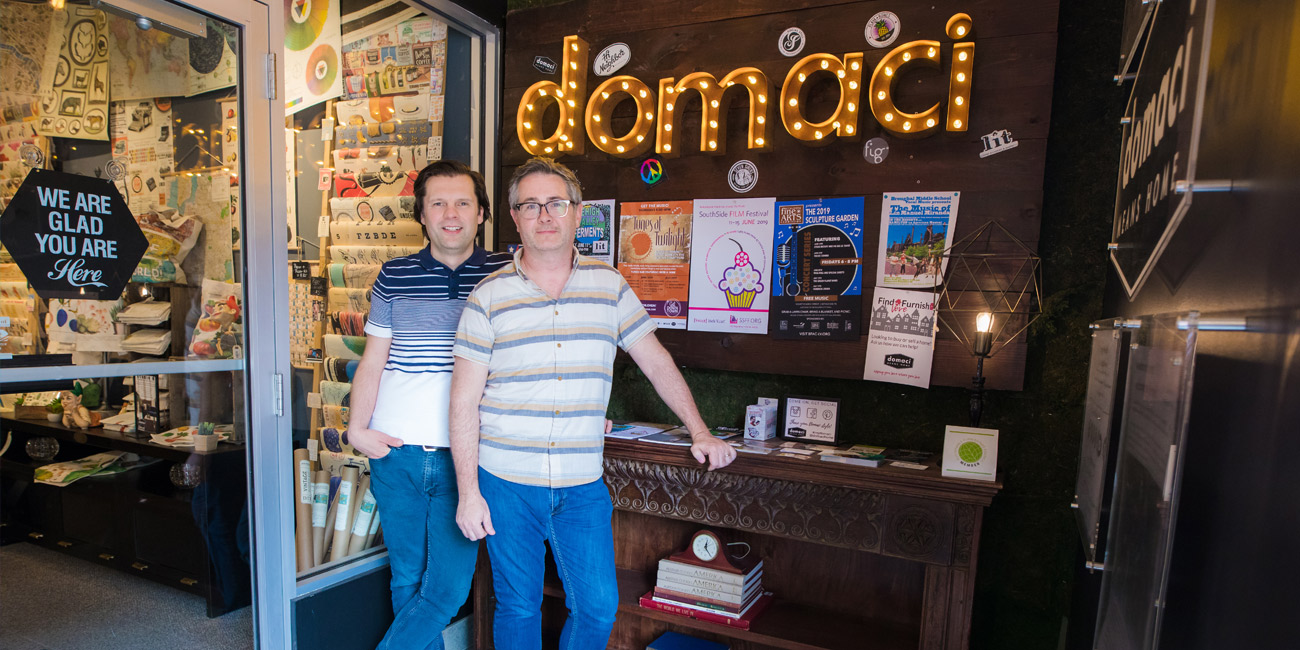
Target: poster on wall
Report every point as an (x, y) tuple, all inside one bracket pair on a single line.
[(313, 45), (731, 253), (654, 255), (594, 237), (914, 229), (74, 78), (817, 269), (900, 343), (142, 141)]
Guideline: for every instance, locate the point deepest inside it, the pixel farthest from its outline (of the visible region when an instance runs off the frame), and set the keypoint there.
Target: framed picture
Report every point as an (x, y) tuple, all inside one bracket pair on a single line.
[(811, 419)]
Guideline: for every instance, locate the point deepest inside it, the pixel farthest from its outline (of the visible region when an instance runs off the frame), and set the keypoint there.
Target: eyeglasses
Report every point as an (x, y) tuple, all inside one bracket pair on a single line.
[(533, 209)]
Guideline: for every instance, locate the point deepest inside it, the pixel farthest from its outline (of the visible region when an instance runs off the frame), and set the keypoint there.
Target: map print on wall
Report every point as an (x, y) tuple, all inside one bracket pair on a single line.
[(74, 79), (24, 33)]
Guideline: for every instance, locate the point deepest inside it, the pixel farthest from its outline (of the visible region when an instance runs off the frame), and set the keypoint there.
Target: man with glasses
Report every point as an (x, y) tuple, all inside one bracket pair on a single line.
[(534, 366), (399, 403)]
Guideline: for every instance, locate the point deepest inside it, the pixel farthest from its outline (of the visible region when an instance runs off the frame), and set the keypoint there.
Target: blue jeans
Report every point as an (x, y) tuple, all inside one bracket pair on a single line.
[(576, 522), (432, 562)]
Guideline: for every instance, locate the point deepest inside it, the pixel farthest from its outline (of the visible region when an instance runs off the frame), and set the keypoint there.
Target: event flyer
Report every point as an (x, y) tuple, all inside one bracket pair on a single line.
[(817, 269), (900, 345), (595, 232), (654, 255), (914, 229), (731, 245)]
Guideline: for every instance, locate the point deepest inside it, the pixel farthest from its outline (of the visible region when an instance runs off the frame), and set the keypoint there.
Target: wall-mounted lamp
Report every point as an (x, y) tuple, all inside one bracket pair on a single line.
[(981, 344)]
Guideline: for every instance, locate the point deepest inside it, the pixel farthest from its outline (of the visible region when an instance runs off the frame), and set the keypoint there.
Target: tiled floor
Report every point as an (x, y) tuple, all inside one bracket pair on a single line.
[(50, 601)]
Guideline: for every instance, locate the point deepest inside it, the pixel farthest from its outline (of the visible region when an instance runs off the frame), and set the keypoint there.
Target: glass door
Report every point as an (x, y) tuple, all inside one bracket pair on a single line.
[(144, 309)]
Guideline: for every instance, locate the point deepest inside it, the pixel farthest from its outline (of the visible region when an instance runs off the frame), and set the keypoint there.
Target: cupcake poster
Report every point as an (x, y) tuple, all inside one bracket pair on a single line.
[(654, 256), (731, 253)]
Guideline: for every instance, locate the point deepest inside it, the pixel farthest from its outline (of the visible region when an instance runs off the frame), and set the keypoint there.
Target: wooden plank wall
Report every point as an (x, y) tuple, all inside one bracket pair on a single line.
[(1015, 50)]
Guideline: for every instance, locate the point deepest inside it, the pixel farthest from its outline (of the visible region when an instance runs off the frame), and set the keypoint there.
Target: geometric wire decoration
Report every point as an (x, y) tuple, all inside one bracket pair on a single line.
[(991, 271)]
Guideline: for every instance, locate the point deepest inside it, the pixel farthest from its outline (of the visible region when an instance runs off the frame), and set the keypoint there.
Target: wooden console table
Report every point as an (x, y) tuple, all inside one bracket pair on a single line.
[(857, 557)]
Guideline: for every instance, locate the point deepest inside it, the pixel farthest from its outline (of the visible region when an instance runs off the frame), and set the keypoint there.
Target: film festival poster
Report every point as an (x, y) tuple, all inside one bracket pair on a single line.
[(900, 343), (914, 237), (595, 232), (817, 269), (654, 256), (731, 253)]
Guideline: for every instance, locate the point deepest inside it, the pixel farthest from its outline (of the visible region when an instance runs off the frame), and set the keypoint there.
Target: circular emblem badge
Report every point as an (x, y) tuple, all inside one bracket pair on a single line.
[(652, 171), (743, 176), (673, 308), (791, 42), (882, 29), (115, 169), (970, 452), (875, 150), (31, 155)]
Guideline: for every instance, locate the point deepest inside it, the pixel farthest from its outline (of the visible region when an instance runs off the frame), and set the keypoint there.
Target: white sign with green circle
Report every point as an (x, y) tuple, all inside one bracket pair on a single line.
[(970, 452)]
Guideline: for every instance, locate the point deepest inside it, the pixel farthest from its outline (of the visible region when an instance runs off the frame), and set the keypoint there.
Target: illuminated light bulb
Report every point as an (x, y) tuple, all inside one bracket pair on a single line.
[(528, 125), (889, 72), (762, 99), (668, 147), (852, 107), (704, 84), (714, 103), (961, 56), (571, 121), (668, 106), (643, 92), (881, 95), (542, 92), (840, 74), (624, 85), (713, 144), (758, 141), (575, 47), (649, 116), (713, 123), (956, 124), (929, 122), (595, 118), (620, 148), (640, 138), (794, 102), (825, 64), (960, 100), (889, 117), (668, 127), (836, 124), (961, 30), (817, 134), (604, 95), (530, 107), (572, 104), (853, 85), (761, 119), (564, 137), (848, 129), (573, 65), (798, 125), (907, 126), (573, 84), (549, 149), (801, 76), (752, 79), (531, 143), (854, 65), (730, 84), (669, 90), (604, 140), (961, 76), (907, 56), (930, 53)]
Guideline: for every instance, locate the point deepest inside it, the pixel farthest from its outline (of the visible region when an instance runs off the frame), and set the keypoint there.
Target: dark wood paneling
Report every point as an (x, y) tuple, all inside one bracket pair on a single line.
[(1013, 78)]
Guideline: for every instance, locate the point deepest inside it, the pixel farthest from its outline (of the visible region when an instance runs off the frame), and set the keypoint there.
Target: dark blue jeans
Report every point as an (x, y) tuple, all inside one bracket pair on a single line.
[(576, 522), (432, 562)]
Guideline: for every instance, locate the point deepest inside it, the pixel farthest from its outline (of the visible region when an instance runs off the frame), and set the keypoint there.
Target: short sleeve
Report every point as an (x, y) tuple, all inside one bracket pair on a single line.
[(380, 321), (633, 321), (474, 335)]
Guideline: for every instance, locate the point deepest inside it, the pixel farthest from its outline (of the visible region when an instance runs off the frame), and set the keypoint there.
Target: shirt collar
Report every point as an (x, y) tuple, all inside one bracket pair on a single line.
[(426, 259), (519, 257)]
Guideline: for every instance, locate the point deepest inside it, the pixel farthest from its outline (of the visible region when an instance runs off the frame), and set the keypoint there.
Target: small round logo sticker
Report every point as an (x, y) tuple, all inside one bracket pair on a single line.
[(882, 29), (970, 452), (31, 155), (673, 308), (875, 150), (115, 169), (652, 171), (743, 176), (792, 41)]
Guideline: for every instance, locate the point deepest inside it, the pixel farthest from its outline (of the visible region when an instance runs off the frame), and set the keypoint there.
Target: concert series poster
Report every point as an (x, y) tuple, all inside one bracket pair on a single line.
[(817, 270), (731, 253), (900, 344), (914, 237), (654, 256), (595, 232)]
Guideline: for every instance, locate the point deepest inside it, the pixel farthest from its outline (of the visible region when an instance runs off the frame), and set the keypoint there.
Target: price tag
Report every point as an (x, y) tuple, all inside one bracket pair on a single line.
[(327, 129), (323, 226), (313, 400), (318, 287), (301, 270), (313, 450)]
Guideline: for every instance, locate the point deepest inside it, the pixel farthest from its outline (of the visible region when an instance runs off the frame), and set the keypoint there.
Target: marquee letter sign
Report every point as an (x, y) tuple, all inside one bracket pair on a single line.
[(569, 137)]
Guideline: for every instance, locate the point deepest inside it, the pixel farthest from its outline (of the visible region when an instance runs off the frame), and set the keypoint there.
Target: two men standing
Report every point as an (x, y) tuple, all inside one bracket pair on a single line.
[(533, 369)]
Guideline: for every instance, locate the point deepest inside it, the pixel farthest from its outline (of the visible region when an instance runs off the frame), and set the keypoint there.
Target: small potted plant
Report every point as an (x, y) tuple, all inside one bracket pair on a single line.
[(55, 409)]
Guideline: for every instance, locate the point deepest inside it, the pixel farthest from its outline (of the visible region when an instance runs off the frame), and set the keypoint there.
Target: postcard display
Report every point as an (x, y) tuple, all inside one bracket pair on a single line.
[(95, 79), (385, 127)]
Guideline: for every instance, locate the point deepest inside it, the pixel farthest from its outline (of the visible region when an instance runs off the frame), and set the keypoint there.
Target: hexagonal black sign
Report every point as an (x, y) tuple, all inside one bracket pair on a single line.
[(72, 236)]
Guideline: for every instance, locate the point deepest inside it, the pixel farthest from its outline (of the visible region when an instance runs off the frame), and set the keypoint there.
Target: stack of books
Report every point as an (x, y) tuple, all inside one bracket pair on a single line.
[(709, 594)]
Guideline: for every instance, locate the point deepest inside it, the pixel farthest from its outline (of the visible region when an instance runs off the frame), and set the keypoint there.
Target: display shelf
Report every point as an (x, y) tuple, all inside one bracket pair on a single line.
[(98, 437)]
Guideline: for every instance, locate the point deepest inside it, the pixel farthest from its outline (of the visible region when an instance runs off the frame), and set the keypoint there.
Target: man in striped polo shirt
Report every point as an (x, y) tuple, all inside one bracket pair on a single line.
[(534, 366), (399, 412)]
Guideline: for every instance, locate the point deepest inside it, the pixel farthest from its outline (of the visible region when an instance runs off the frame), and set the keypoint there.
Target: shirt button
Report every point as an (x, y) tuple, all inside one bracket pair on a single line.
[(552, 444), (559, 378), (557, 412), (557, 345)]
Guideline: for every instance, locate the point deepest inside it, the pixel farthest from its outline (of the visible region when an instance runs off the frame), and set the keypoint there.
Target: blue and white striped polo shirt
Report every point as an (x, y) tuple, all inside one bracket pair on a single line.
[(550, 368), (416, 301)]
